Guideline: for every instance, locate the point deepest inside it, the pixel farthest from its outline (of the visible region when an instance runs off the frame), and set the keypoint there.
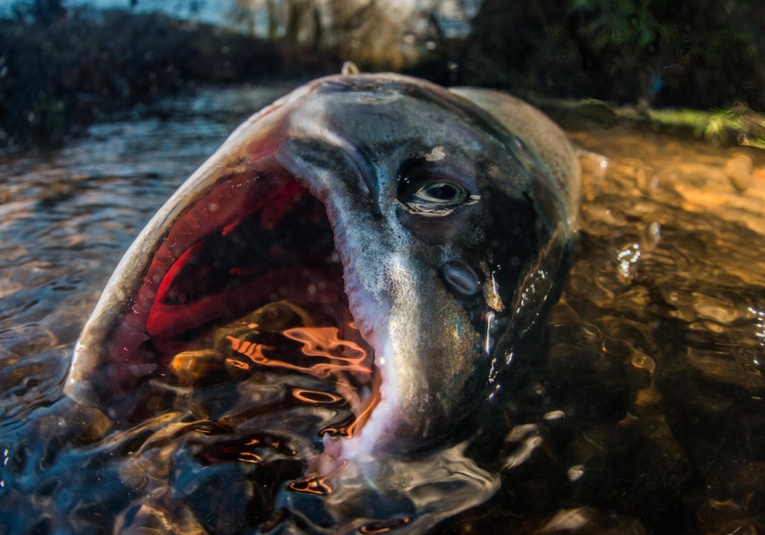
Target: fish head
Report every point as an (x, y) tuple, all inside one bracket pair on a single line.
[(435, 213), (449, 228)]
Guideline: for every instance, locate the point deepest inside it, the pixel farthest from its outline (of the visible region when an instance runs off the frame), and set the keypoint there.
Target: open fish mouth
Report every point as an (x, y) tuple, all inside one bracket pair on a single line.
[(243, 245), (249, 241)]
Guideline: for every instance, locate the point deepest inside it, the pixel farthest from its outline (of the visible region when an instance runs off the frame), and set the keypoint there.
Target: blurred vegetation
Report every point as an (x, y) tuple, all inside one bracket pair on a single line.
[(641, 57), (61, 66), (696, 53), (368, 32)]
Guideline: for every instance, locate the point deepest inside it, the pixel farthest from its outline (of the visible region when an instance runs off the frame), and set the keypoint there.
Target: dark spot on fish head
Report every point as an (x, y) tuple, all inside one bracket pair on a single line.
[(461, 278)]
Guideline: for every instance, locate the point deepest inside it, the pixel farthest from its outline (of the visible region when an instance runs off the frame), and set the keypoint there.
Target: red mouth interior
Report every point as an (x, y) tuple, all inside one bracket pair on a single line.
[(247, 242)]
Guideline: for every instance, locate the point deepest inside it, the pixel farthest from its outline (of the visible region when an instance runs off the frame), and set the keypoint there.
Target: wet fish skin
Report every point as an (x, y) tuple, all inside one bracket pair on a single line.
[(443, 292), (436, 337)]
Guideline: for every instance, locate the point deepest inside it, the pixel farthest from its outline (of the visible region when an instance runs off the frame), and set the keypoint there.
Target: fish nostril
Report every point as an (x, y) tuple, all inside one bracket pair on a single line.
[(461, 277)]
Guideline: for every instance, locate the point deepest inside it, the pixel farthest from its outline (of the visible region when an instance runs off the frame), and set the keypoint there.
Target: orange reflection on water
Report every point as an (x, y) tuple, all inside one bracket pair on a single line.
[(384, 526), (249, 349), (316, 397), (319, 352), (249, 457), (318, 342), (350, 429), (238, 364), (317, 485)]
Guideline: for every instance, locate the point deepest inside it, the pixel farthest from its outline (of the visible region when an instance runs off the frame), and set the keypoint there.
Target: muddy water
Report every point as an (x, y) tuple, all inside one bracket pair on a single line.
[(641, 410)]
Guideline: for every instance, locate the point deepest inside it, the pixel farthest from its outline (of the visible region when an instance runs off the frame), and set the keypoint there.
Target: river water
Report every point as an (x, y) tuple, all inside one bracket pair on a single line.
[(643, 411)]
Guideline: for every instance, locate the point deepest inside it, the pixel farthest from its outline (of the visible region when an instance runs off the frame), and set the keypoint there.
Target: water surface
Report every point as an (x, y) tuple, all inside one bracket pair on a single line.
[(641, 410)]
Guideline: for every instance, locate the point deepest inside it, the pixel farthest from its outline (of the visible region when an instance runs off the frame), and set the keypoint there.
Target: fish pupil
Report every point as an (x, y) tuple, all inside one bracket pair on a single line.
[(445, 193)]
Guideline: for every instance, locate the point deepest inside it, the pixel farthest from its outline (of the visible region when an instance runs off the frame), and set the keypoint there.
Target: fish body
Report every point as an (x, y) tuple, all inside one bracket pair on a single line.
[(434, 225)]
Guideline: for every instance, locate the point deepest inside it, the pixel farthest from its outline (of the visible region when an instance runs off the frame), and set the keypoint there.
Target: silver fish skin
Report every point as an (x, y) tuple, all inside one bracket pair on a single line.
[(453, 213)]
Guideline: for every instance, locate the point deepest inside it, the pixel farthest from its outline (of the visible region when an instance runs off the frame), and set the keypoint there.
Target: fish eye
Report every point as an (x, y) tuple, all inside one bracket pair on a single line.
[(433, 196), (441, 192)]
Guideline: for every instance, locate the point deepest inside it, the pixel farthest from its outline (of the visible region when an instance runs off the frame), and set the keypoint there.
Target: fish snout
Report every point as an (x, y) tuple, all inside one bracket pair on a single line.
[(431, 363)]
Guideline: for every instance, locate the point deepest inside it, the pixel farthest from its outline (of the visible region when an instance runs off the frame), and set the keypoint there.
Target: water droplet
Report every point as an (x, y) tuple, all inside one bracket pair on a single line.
[(575, 472), (647, 181)]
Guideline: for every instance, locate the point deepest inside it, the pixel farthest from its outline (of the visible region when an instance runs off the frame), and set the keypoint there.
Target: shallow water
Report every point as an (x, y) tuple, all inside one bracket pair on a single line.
[(641, 411)]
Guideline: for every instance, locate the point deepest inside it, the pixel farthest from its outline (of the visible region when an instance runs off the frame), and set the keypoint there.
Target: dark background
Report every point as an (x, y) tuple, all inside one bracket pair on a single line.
[(64, 66)]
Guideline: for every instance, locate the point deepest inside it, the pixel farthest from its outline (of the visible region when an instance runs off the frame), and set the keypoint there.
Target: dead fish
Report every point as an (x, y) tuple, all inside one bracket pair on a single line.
[(434, 224)]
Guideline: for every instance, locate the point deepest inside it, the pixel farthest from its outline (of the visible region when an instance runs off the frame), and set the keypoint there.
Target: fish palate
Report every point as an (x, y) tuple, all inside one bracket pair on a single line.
[(431, 225)]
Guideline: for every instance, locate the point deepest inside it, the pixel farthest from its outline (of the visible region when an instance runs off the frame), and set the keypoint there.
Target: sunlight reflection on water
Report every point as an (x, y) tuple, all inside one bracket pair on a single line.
[(643, 410)]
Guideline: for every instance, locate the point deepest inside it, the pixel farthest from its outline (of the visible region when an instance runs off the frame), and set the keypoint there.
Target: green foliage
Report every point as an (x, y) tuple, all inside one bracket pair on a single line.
[(621, 23), (700, 53), (735, 125)]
